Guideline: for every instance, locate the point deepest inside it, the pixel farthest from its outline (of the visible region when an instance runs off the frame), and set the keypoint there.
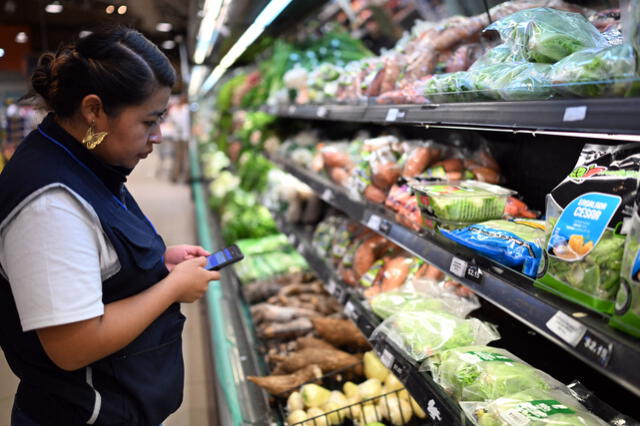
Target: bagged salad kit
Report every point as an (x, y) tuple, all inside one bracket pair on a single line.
[(627, 308), (585, 216)]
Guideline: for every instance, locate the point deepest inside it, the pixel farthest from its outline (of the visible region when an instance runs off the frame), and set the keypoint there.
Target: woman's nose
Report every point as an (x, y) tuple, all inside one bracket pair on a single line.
[(155, 137)]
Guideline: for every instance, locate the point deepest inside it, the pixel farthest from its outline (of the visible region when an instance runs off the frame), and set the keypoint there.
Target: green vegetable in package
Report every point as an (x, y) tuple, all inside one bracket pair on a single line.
[(547, 35), (479, 373), (534, 407), (584, 213), (608, 71), (391, 302), (524, 81), (627, 308), (451, 87), (425, 333), (497, 55), (468, 201)]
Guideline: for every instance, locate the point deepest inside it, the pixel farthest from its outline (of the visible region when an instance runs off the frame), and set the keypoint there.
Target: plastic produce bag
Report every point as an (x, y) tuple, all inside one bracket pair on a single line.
[(525, 81), (627, 309), (583, 213), (500, 54), (479, 373), (547, 35), (607, 71), (391, 302), (423, 334), (452, 87), (514, 243), (534, 407)]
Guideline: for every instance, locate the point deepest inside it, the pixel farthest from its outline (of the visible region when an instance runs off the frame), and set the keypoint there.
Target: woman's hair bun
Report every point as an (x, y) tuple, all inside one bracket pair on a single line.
[(41, 78)]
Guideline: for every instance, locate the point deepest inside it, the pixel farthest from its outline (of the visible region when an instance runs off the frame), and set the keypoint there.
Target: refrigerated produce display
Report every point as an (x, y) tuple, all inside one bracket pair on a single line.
[(439, 216)]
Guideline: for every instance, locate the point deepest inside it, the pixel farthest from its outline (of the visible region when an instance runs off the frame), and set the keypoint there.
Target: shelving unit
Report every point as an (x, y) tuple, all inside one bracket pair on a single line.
[(614, 118), (584, 334)]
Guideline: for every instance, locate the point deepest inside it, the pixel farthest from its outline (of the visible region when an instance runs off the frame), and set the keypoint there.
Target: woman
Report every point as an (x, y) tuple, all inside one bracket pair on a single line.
[(89, 295)]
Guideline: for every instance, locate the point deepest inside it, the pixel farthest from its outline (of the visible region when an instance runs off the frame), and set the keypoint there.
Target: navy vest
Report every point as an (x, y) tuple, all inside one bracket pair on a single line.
[(142, 383)]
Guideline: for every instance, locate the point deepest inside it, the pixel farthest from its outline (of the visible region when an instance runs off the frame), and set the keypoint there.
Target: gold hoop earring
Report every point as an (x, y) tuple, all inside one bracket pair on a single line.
[(91, 138)]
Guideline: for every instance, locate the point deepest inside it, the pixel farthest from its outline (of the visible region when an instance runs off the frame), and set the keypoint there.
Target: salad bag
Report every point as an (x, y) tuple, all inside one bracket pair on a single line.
[(480, 373), (627, 308), (514, 243), (585, 214), (533, 407)]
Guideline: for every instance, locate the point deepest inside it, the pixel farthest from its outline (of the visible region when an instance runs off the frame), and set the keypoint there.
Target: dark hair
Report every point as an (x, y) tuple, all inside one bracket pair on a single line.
[(119, 65)]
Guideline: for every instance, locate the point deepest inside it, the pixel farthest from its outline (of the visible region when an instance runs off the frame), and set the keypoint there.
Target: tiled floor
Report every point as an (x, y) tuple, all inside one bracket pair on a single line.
[(170, 208)]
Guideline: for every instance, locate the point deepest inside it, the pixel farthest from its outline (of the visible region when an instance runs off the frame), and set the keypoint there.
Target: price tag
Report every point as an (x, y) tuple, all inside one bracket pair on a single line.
[(596, 348), (568, 329), (385, 227), (322, 112), (331, 287), (386, 358), (350, 311), (458, 267), (474, 273), (575, 113), (399, 370), (338, 293), (292, 109), (327, 195), (292, 239), (374, 222), (393, 114)]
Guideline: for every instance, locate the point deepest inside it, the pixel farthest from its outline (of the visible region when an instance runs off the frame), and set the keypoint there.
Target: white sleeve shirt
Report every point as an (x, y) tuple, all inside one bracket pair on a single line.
[(55, 255)]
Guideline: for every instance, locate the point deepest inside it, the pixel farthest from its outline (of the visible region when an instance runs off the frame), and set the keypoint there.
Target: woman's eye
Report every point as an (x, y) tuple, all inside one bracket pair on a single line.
[(151, 123)]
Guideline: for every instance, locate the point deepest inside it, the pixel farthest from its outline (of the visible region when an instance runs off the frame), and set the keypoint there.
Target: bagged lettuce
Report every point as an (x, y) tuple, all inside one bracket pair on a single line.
[(479, 373), (533, 407), (500, 54), (423, 334), (627, 308), (585, 214), (524, 81), (608, 71), (515, 243), (451, 87), (391, 302), (547, 35)]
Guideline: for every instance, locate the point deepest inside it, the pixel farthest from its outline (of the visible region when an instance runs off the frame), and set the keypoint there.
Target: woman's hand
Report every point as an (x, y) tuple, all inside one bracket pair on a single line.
[(190, 280), (178, 254)]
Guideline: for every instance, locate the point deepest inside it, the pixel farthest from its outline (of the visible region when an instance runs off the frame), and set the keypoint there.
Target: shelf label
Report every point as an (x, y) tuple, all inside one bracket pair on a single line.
[(386, 358), (327, 195), (577, 113), (458, 267), (350, 311), (393, 114), (331, 287), (568, 329), (385, 227), (596, 348), (322, 112), (292, 109), (374, 222), (474, 273)]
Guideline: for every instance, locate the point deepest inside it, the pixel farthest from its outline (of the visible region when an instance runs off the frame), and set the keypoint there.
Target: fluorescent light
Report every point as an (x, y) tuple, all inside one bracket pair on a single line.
[(54, 7), (122, 10), (110, 9), (85, 33), (266, 17), (164, 27), (22, 37), (207, 31), (168, 44), (198, 73), (1, 52)]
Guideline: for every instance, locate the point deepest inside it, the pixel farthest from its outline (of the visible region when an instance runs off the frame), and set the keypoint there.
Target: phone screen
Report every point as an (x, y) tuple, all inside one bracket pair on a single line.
[(218, 258)]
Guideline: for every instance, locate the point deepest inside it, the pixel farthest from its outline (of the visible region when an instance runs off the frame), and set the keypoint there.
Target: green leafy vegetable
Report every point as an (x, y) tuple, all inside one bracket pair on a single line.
[(547, 35), (478, 373), (606, 71)]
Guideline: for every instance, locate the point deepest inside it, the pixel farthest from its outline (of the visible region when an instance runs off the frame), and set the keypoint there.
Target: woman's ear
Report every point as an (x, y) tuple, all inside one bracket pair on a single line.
[(91, 108)]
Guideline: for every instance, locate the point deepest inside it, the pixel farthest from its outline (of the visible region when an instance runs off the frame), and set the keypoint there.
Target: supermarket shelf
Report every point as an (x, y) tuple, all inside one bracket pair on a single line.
[(586, 335), (612, 118), (431, 397)]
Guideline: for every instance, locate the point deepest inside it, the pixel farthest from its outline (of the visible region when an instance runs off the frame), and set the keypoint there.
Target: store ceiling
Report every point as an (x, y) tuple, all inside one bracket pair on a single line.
[(50, 30)]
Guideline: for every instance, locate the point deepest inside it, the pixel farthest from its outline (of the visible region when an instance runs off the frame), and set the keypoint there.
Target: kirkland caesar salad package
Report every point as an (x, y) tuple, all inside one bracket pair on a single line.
[(627, 313), (585, 215)]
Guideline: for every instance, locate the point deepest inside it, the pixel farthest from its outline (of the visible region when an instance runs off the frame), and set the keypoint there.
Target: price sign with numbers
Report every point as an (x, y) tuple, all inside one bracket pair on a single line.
[(350, 311), (458, 267), (595, 348), (387, 358), (374, 222), (322, 112)]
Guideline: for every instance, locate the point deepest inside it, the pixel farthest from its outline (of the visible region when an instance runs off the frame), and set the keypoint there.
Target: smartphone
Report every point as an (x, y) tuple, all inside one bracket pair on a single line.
[(224, 257)]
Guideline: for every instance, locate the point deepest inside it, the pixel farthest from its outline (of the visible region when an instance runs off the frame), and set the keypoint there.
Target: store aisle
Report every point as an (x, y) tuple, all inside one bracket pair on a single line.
[(170, 208)]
